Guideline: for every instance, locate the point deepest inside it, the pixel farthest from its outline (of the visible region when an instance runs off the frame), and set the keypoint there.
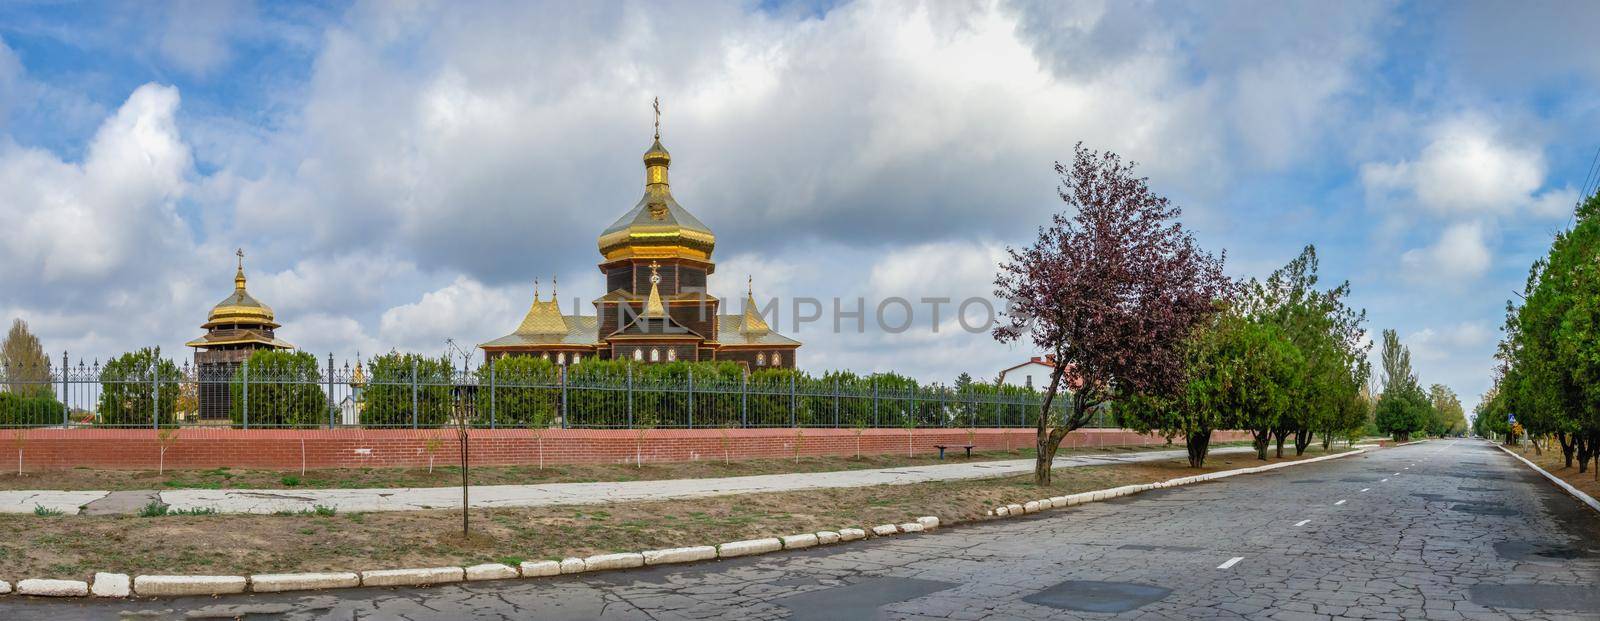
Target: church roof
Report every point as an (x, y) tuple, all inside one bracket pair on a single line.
[(657, 227), (731, 330), (252, 318), (578, 330)]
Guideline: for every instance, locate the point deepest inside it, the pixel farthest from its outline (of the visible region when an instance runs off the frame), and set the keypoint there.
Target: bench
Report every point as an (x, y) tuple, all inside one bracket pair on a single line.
[(942, 447)]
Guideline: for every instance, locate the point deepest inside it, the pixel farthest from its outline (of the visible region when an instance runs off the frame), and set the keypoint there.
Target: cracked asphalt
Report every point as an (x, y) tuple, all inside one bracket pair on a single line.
[(1444, 530)]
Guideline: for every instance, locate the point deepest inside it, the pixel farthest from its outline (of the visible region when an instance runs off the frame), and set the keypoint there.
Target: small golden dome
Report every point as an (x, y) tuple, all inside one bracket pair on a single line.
[(240, 307), (657, 227), (657, 155)]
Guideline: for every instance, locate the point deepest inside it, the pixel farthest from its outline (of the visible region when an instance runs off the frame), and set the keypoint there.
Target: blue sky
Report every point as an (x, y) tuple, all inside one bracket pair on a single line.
[(399, 174)]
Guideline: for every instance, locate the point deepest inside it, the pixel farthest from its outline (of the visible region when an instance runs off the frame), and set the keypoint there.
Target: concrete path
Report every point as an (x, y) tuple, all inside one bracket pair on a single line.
[(1445, 530), (414, 499)]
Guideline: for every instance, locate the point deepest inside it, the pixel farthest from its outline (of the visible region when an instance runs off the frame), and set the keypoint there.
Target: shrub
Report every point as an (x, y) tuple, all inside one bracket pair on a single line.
[(397, 381), (285, 390), (138, 388)]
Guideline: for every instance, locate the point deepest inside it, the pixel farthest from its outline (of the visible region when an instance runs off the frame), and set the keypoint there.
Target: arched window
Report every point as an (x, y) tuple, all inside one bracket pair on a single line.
[(545, 355), (672, 355), (761, 360), (638, 354), (577, 358), (655, 355), (561, 359), (777, 359)]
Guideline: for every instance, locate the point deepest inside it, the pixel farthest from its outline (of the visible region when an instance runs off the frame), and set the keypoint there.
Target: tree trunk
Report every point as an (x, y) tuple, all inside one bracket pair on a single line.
[(1302, 439), (1327, 440), (1047, 440), (1568, 445), (1198, 444), (1262, 439), (1279, 435), (1584, 450)]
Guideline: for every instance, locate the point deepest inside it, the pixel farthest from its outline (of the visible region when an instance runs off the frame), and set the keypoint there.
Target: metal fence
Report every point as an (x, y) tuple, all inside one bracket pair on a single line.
[(159, 395)]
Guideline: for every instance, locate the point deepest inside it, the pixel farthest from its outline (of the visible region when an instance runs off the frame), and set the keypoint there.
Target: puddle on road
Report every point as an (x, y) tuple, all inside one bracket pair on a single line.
[(1480, 489), (1149, 548), (861, 600), (1095, 596), (1485, 509), (1536, 550), (1575, 598), (1359, 480), (1301, 481)]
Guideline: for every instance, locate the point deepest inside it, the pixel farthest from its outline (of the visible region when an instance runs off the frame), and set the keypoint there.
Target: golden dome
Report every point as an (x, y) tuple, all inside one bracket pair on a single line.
[(239, 307), (657, 227)]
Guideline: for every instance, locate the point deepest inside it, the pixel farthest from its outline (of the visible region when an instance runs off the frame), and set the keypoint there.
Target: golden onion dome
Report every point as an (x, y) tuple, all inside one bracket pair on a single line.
[(240, 307), (657, 227)]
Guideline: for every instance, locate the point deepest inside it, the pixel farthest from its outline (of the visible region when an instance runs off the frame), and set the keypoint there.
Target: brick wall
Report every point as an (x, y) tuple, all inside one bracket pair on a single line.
[(138, 449)]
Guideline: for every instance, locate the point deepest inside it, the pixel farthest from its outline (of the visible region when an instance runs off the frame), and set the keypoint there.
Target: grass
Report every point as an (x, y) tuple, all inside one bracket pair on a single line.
[(43, 511), (77, 547), (447, 476)]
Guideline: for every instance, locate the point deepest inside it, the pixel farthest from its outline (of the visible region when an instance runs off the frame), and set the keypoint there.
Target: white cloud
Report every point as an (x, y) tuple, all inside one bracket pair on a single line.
[(1467, 167), (1459, 255), (464, 307)]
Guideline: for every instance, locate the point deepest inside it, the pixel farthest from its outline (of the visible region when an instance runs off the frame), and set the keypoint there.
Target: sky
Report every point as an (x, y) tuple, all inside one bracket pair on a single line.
[(399, 173)]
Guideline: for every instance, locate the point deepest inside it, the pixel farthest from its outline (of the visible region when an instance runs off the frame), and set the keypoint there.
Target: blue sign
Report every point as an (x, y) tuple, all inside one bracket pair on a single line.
[(1511, 419)]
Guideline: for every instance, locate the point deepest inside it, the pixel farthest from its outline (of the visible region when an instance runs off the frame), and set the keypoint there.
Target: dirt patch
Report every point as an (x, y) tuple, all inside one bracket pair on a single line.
[(77, 546), (445, 475), (1553, 463)]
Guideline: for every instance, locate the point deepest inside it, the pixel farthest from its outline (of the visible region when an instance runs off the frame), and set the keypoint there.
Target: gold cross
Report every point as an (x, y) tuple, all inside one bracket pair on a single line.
[(655, 278), (240, 252), (656, 104)]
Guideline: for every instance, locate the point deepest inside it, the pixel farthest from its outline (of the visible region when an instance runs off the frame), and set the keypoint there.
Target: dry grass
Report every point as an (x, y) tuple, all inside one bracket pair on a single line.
[(445, 475), (77, 546)]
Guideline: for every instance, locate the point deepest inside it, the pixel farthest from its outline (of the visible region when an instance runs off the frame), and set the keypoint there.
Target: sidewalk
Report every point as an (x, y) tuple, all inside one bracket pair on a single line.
[(415, 499)]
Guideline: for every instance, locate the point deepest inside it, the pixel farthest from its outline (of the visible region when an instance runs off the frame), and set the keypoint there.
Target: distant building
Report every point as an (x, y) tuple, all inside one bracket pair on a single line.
[(1035, 373), (236, 327), (656, 259)]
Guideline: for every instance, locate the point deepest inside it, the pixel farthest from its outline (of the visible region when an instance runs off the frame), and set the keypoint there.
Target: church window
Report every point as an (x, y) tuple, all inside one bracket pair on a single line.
[(655, 355), (761, 360), (672, 355), (577, 358), (561, 359), (638, 355), (777, 358)]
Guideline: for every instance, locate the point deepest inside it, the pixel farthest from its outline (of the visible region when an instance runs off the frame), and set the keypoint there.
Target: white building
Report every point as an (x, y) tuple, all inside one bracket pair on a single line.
[(1035, 373)]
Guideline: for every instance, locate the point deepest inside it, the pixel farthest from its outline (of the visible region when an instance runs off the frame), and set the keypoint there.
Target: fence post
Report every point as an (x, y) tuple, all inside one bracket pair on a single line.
[(874, 401), (244, 383), (333, 401), (691, 397), (630, 396), (66, 400), (563, 397), (155, 393), (744, 398), (413, 394), (491, 396), (793, 417), (835, 402)]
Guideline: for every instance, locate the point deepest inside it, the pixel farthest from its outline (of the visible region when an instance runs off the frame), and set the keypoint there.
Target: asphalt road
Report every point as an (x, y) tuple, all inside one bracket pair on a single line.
[(1442, 530)]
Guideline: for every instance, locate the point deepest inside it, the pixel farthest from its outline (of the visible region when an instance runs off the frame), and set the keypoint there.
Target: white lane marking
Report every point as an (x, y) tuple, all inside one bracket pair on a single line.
[(1301, 522), (1338, 503), (1365, 489), (1384, 481), (1231, 562), (1397, 474)]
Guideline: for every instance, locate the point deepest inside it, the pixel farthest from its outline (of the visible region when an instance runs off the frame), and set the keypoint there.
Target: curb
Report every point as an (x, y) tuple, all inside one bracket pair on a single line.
[(1071, 500), (118, 585), (1565, 486), (162, 586)]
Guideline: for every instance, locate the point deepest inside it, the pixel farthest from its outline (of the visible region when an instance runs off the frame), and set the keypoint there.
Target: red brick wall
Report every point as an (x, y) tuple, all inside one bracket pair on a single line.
[(137, 449)]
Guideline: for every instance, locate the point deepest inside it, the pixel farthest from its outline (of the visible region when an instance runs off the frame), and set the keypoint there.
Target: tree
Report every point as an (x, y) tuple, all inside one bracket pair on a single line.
[(1449, 418), (138, 389), (1402, 408), (23, 365), (1110, 292), (407, 388), (284, 390)]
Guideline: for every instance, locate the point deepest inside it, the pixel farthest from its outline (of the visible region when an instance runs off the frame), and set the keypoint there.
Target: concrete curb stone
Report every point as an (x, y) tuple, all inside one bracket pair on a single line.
[(884, 530), (52, 588), (910, 527), (826, 537), (111, 585), (928, 522), (795, 542), (5, 587), (491, 571), (1565, 486), (277, 583), (539, 569), (159, 586), (411, 577), (851, 534), (621, 560), (572, 566), (751, 546), (680, 555)]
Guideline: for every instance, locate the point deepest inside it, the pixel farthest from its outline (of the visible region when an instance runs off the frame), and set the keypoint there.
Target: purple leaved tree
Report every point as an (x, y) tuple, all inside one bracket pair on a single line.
[(1110, 292)]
